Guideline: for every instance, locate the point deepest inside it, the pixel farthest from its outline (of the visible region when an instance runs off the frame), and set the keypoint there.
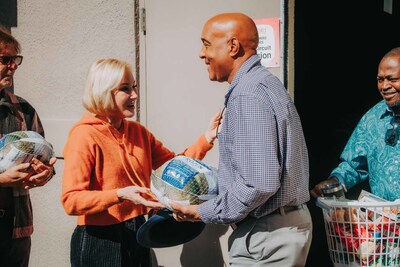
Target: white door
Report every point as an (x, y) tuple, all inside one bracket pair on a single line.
[(177, 98)]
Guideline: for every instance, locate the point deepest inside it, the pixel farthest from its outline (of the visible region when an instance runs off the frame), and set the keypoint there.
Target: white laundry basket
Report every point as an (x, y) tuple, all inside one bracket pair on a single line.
[(362, 233)]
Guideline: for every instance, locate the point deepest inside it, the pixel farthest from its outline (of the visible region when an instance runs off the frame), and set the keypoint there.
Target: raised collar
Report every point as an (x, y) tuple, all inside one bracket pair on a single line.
[(246, 66)]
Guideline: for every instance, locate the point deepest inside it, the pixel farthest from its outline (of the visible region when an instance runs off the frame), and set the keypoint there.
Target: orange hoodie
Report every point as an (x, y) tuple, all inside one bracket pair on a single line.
[(99, 160)]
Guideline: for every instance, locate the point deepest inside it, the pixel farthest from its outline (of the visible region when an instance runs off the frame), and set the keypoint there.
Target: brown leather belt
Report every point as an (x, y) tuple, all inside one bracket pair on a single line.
[(281, 211), (286, 209)]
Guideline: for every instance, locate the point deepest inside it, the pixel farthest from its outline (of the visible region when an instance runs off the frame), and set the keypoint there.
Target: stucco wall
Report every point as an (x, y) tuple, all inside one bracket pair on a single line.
[(60, 39)]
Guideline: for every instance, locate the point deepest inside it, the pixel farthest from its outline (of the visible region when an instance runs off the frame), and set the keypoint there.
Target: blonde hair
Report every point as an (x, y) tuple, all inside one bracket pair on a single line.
[(103, 78)]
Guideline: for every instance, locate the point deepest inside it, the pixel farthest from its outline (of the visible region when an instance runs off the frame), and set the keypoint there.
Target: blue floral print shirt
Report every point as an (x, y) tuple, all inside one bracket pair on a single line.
[(367, 156)]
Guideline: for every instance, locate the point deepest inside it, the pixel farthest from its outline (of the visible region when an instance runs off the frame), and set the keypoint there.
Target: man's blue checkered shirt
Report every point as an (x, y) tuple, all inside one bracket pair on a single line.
[(263, 155)]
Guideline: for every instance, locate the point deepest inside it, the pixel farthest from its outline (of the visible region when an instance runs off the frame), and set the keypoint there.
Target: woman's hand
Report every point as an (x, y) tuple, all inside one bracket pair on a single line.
[(140, 196), (214, 127)]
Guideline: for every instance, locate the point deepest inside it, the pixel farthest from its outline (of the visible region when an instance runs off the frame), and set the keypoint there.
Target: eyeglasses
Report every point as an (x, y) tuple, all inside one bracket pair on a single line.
[(6, 60), (392, 135)]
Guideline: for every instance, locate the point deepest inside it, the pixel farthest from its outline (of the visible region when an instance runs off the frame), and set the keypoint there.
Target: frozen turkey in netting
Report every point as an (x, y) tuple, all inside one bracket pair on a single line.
[(21, 146), (184, 180)]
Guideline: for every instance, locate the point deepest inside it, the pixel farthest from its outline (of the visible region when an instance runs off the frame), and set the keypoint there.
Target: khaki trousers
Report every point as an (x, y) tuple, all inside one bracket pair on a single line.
[(275, 240)]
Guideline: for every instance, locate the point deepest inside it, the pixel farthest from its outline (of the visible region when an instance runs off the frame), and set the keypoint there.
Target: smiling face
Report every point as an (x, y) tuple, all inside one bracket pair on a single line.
[(125, 96), (7, 71), (229, 39), (216, 52), (388, 80)]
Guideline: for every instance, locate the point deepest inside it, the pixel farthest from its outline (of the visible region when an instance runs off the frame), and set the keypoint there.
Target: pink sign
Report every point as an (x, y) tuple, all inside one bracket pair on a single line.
[(269, 41)]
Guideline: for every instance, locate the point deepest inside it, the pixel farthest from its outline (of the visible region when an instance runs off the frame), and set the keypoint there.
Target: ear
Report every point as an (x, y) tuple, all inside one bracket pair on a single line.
[(234, 46)]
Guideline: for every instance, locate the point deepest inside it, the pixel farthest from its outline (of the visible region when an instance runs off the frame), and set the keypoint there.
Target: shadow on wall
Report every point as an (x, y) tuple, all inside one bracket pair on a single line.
[(204, 250)]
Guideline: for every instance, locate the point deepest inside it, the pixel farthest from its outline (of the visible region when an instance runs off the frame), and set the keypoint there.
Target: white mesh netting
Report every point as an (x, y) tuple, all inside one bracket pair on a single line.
[(184, 180), (21, 146)]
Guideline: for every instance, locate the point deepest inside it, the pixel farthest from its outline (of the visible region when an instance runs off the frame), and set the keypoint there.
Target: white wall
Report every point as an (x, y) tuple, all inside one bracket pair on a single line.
[(60, 39), (180, 98)]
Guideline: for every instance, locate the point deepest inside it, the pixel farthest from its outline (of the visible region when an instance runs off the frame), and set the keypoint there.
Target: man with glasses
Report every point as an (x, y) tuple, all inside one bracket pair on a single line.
[(372, 152), (16, 114)]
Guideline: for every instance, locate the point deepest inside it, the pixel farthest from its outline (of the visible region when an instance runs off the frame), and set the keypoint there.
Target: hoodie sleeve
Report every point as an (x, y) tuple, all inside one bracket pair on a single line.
[(161, 154), (199, 149)]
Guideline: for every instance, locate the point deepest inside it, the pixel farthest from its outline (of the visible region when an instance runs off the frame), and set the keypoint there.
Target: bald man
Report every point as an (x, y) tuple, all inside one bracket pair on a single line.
[(263, 173)]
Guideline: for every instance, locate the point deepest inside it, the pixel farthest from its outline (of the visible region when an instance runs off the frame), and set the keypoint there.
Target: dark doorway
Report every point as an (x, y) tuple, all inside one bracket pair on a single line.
[(338, 45), (8, 13)]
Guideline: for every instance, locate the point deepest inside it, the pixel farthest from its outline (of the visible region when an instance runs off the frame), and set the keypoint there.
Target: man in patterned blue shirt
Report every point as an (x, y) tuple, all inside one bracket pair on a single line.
[(372, 152), (263, 173)]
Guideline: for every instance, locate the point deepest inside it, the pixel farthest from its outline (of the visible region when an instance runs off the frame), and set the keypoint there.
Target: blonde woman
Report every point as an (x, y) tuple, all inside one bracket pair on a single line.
[(108, 163)]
